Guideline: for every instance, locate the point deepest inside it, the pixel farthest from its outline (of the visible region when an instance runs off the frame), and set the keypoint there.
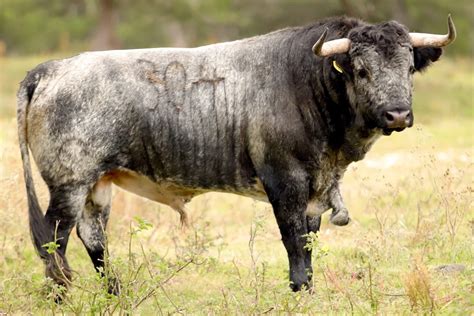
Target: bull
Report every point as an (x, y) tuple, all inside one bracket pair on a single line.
[(277, 117)]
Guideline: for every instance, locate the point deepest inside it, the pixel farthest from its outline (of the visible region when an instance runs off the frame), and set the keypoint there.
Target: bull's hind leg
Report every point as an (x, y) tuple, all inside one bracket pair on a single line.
[(91, 225), (66, 203), (91, 228)]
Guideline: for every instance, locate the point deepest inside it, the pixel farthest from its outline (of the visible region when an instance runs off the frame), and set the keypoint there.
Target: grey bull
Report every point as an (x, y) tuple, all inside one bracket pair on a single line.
[(277, 117)]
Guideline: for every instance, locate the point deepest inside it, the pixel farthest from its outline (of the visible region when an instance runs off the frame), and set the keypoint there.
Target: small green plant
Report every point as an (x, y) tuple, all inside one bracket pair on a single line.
[(313, 244), (142, 225), (257, 272), (51, 247)]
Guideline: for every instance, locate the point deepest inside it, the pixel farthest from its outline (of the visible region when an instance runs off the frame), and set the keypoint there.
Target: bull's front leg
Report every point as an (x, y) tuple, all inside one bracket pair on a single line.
[(288, 194), (314, 223), (339, 214)]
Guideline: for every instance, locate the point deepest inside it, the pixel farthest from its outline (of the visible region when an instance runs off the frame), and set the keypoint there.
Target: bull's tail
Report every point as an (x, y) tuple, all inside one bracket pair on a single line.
[(40, 232)]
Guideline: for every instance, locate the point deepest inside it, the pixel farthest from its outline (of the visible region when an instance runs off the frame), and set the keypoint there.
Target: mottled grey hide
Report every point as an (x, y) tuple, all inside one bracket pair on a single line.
[(261, 117)]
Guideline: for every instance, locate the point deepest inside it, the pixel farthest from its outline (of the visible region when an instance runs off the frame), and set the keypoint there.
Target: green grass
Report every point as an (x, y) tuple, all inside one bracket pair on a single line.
[(410, 200)]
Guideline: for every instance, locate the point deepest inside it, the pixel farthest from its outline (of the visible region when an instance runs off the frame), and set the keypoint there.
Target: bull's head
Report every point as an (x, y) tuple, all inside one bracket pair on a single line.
[(378, 62)]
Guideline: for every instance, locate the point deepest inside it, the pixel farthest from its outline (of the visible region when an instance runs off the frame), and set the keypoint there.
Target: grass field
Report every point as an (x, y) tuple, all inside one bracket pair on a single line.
[(410, 201)]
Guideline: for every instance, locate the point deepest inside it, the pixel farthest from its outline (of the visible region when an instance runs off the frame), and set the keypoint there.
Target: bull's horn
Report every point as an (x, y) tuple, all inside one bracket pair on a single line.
[(337, 46), (435, 40)]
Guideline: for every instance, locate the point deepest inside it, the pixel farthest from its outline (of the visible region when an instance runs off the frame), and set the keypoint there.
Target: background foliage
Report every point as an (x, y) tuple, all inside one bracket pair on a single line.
[(44, 26)]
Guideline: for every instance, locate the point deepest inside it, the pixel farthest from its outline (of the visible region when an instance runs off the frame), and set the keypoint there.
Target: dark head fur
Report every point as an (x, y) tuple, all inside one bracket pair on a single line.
[(376, 77)]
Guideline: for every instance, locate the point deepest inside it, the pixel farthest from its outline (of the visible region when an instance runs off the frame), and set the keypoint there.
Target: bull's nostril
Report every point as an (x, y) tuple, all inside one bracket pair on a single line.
[(397, 119), (389, 117)]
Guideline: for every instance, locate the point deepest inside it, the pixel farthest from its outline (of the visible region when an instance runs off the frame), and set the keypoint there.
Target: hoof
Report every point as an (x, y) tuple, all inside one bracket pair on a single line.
[(57, 294), (301, 286), (113, 286), (340, 218)]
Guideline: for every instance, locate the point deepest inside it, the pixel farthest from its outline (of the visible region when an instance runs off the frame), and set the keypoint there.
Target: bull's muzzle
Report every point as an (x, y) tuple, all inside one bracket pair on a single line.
[(397, 120)]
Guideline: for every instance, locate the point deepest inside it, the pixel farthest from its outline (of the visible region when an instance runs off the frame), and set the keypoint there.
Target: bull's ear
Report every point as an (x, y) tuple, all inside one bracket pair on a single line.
[(343, 63), (424, 56)]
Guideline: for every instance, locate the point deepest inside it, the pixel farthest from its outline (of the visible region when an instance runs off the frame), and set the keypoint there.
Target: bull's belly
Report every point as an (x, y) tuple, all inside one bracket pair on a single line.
[(163, 192), (176, 196), (170, 193)]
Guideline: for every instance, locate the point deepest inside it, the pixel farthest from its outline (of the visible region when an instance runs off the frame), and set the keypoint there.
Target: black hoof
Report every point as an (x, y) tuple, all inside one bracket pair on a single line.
[(55, 292), (299, 287), (113, 286)]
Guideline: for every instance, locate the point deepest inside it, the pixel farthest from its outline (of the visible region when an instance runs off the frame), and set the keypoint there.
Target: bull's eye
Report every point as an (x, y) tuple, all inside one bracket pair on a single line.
[(362, 73), (412, 70)]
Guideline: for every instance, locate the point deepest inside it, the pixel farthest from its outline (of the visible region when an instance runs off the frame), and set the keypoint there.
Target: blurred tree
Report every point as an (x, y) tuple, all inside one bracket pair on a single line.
[(34, 26), (105, 36), (400, 12)]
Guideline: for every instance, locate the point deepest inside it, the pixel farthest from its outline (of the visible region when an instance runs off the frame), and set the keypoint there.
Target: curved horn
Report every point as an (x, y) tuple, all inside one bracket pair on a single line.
[(337, 46), (435, 40)]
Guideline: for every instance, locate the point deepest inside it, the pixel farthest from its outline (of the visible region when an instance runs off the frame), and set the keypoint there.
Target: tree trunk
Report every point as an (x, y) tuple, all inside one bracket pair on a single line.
[(400, 12), (348, 8), (104, 36)]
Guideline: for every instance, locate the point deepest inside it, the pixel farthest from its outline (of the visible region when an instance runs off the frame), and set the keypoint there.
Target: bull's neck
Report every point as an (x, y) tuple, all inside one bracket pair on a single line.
[(321, 95), (330, 117)]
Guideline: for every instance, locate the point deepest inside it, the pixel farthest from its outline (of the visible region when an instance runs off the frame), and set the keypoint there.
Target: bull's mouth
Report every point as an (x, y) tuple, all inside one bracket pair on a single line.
[(389, 131)]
